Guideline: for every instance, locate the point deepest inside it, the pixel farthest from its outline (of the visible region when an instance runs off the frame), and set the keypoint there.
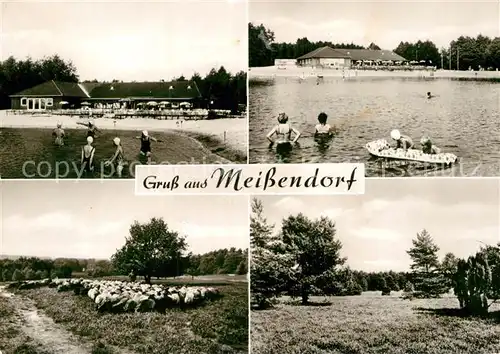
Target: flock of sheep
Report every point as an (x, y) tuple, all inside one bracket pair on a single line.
[(118, 296)]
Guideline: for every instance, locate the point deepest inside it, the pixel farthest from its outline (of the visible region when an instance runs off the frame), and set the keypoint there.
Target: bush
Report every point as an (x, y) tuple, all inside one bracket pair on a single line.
[(386, 291), (212, 115), (6, 275), (18, 275), (409, 288), (30, 274)]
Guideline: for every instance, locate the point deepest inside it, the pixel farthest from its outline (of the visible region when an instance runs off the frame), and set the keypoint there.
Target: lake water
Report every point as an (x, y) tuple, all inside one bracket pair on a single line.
[(464, 119)]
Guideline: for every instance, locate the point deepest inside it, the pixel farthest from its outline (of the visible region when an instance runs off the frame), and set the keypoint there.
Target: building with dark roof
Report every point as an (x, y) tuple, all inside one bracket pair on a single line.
[(55, 94), (338, 58), (49, 95)]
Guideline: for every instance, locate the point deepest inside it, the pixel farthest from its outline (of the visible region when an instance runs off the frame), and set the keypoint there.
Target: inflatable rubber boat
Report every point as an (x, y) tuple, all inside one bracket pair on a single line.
[(381, 148)]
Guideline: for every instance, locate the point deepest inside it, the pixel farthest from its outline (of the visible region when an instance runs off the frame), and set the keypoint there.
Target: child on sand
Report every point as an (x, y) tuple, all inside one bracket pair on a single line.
[(59, 135), (323, 127), (283, 132), (118, 159), (87, 159), (428, 147)]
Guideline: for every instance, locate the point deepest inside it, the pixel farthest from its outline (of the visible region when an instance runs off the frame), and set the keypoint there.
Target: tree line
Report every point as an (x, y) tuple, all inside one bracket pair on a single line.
[(304, 259), (224, 89), (476, 53), (164, 255)]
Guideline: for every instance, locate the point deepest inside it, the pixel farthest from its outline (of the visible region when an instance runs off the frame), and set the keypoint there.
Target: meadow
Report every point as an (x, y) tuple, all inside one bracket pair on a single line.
[(371, 324), (46, 160), (40, 321)]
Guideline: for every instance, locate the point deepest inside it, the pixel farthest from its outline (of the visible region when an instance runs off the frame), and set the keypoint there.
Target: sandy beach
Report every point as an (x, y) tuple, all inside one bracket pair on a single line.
[(234, 131), (291, 71)]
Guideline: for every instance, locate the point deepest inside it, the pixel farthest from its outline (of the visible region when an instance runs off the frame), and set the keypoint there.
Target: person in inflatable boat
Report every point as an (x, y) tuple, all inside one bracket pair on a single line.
[(428, 147), (402, 141), (283, 131)]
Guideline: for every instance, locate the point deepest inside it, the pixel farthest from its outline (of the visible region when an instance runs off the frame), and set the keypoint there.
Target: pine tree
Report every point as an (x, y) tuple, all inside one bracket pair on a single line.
[(427, 277), (270, 265)]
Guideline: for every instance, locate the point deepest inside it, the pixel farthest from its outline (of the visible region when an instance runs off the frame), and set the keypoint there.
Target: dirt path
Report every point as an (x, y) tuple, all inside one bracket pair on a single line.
[(48, 335)]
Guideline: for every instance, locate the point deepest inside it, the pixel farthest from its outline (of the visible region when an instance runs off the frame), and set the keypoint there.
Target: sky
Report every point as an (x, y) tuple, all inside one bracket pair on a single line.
[(90, 219), (376, 228), (385, 23), (142, 41)]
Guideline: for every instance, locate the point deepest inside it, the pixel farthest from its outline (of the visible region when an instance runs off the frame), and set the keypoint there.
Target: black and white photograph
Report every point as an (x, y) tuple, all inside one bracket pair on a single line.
[(91, 89), (85, 268), (410, 88), (412, 266)]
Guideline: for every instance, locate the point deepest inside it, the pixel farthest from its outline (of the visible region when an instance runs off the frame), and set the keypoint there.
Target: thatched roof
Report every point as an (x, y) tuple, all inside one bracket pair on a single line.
[(353, 54)]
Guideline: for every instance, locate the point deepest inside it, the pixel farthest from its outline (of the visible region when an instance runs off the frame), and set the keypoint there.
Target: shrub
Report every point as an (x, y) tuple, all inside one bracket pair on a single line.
[(386, 291), (6, 275), (18, 275), (29, 274)]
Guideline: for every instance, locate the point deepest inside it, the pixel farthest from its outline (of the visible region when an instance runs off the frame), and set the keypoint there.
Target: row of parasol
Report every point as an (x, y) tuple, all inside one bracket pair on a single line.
[(150, 103)]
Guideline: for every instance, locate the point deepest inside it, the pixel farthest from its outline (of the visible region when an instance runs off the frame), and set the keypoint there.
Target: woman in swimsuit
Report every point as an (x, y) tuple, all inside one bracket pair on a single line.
[(146, 144), (87, 159), (59, 135), (323, 127), (118, 159), (283, 132)]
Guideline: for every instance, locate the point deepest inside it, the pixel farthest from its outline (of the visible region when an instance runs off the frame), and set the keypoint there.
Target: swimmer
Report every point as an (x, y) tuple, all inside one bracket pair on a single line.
[(283, 131), (402, 141), (146, 144), (429, 95), (118, 159), (87, 159), (323, 127), (58, 134), (91, 128), (428, 147)]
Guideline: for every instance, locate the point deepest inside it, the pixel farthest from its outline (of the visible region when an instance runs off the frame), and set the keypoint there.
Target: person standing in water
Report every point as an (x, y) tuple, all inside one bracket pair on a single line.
[(91, 128), (87, 158), (58, 134), (323, 128), (118, 159), (146, 144), (402, 141), (283, 132)]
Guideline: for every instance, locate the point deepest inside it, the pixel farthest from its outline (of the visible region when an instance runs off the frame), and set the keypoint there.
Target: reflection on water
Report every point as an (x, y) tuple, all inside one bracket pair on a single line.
[(463, 119)]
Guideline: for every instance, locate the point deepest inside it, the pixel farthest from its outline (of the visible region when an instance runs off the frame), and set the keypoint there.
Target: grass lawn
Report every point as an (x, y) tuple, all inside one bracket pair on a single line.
[(36, 146), (373, 324), (220, 326)]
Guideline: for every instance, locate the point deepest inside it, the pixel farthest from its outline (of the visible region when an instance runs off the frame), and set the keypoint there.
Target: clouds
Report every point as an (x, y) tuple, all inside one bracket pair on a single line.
[(385, 23), (376, 229), (90, 219), (61, 234), (130, 40), (205, 238)]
